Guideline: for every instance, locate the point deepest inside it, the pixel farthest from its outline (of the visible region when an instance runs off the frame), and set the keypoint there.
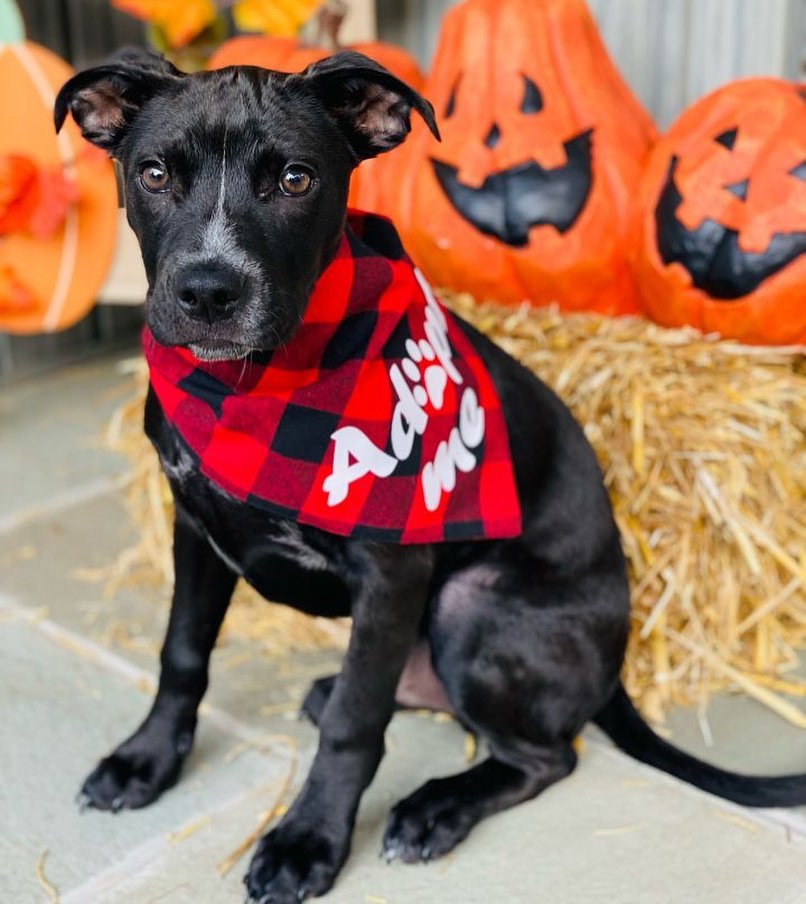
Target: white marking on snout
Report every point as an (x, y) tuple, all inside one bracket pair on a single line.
[(218, 238), (219, 242)]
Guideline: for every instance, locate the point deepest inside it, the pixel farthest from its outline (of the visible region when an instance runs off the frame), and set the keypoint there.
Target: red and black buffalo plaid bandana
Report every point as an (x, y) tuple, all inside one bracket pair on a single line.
[(377, 420)]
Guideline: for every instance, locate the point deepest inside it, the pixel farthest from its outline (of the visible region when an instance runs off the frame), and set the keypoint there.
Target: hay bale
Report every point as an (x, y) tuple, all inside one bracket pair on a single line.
[(702, 443), (702, 446)]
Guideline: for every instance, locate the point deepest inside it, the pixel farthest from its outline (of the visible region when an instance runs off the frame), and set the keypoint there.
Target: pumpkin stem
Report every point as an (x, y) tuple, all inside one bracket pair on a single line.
[(331, 14)]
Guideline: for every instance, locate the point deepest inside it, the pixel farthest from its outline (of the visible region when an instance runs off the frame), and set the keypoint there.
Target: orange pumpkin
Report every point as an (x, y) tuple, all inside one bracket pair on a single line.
[(528, 193), (722, 218), (55, 246), (290, 55)]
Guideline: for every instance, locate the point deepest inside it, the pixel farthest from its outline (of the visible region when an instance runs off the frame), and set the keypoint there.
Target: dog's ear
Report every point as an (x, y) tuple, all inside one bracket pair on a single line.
[(105, 100), (371, 106)]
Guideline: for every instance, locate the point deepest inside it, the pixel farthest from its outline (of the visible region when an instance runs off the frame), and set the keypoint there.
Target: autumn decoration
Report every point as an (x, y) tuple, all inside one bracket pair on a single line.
[(722, 216), (58, 214), (182, 21), (294, 54), (527, 197), (32, 199)]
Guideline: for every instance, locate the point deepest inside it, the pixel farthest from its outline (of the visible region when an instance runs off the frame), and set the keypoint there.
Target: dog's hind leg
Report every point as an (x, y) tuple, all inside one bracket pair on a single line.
[(149, 762), (525, 664), (434, 819)]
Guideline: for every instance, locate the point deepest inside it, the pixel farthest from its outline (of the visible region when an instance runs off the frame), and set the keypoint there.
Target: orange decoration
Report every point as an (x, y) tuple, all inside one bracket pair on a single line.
[(58, 210), (527, 196), (273, 17), (368, 185), (32, 200), (723, 216), (179, 20), (15, 297), (18, 180), (290, 55), (54, 194)]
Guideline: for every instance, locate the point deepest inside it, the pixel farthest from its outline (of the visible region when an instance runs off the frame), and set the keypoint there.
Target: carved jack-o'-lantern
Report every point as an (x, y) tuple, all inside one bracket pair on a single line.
[(723, 216), (527, 196)]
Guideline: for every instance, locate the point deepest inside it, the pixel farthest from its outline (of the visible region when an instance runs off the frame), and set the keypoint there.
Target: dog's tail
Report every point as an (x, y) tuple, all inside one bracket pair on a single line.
[(622, 723)]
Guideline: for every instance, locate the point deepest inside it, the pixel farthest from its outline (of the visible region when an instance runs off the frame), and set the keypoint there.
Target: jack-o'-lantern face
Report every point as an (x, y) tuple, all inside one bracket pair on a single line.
[(526, 195), (724, 218), (510, 201)]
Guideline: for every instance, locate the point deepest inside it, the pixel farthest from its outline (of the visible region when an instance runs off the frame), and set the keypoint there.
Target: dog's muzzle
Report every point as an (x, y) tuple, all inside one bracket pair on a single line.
[(210, 293)]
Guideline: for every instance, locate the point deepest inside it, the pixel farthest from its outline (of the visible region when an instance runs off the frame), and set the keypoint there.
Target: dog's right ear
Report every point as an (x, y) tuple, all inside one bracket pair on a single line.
[(369, 104), (105, 100)]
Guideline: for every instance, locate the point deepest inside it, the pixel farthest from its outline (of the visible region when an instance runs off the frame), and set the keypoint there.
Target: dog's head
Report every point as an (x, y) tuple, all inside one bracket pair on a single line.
[(236, 182)]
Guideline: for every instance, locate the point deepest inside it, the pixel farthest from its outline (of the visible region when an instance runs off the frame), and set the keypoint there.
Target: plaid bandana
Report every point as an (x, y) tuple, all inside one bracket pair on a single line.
[(377, 420)]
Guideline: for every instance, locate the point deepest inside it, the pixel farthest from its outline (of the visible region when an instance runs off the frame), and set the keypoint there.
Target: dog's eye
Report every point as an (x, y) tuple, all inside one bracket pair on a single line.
[(155, 178), (295, 181)]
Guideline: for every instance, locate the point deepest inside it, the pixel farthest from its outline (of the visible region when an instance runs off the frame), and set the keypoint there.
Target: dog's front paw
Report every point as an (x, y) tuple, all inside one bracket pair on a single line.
[(133, 776), (427, 824), (293, 863)]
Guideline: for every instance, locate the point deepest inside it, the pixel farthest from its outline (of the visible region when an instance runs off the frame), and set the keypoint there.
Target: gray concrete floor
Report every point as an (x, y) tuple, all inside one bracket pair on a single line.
[(77, 673)]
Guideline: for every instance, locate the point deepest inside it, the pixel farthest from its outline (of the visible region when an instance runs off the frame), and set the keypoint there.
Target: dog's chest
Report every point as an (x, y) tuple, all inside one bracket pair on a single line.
[(280, 559)]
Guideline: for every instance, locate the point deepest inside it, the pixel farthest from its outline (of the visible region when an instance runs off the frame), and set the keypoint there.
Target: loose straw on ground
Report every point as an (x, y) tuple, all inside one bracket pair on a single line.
[(47, 886), (277, 809), (703, 448)]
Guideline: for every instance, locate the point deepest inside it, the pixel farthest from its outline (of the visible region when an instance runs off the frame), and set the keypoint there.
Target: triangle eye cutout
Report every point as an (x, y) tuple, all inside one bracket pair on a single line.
[(727, 139), (450, 106), (493, 137), (799, 171), (532, 98), (738, 189)]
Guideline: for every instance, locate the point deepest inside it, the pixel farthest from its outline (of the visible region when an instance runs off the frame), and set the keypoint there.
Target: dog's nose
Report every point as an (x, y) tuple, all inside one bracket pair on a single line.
[(209, 293)]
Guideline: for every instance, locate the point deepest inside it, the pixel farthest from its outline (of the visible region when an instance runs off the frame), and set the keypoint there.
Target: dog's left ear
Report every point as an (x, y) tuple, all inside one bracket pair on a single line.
[(105, 100), (371, 106)]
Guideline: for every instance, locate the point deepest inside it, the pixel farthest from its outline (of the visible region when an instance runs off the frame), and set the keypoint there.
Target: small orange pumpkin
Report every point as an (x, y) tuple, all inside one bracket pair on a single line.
[(722, 218), (290, 55), (57, 240), (528, 195)]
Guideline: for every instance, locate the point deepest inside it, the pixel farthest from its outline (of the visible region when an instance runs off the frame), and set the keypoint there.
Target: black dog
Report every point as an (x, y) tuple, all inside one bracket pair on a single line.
[(236, 185)]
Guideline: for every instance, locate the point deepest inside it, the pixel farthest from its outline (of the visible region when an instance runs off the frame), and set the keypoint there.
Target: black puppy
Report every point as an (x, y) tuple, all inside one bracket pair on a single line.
[(236, 184)]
